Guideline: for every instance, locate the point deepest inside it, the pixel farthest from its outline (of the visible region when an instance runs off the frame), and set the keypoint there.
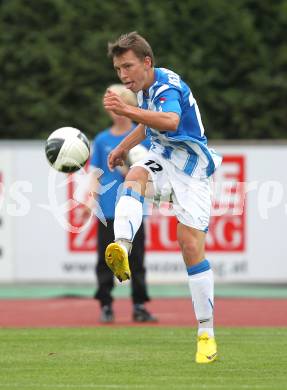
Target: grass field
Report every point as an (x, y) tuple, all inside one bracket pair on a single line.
[(148, 358)]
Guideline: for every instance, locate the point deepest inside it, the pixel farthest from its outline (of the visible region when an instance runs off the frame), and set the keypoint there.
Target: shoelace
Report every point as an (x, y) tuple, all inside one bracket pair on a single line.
[(203, 338)]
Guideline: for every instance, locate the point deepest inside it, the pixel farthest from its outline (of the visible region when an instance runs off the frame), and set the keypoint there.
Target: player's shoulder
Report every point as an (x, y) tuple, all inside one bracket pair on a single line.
[(168, 77)]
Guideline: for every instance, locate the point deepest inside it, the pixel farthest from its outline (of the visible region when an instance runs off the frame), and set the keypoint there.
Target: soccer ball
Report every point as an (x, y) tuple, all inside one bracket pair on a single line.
[(136, 154), (67, 149)]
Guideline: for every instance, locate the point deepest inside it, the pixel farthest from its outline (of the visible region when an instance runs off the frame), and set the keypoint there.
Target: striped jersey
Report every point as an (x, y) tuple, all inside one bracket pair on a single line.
[(186, 147)]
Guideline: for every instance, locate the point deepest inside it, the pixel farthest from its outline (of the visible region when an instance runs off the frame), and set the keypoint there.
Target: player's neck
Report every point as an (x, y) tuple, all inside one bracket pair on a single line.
[(150, 80), (121, 126)]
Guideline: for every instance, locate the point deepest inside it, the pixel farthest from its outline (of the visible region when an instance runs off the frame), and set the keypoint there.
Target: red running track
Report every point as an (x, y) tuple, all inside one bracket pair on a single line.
[(83, 312)]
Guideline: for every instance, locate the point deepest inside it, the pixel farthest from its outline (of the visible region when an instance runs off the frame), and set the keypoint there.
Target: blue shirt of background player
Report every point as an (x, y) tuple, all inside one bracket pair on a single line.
[(103, 144)]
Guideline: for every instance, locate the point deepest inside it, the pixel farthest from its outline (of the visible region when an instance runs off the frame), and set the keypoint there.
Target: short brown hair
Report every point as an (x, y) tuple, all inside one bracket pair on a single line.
[(131, 41)]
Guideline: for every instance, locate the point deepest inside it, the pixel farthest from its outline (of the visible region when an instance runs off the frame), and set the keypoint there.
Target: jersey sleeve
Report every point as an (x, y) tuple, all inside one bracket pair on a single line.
[(168, 101), (146, 143)]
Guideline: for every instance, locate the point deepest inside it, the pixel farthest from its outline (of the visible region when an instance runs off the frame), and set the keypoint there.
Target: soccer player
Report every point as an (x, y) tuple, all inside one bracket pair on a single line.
[(103, 143), (179, 161)]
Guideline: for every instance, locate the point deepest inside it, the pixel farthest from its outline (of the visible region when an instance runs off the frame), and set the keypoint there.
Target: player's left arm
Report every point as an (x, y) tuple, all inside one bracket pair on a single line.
[(160, 120)]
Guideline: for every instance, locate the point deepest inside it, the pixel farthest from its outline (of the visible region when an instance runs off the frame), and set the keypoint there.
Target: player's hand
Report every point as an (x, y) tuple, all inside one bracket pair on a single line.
[(113, 102), (87, 207), (117, 157), (85, 212), (124, 169)]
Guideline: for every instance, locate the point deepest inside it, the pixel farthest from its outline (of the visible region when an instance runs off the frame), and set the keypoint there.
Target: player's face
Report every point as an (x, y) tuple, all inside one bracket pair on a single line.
[(133, 72)]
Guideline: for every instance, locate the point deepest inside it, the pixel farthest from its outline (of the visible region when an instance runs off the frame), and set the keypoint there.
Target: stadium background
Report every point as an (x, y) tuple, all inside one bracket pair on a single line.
[(54, 70)]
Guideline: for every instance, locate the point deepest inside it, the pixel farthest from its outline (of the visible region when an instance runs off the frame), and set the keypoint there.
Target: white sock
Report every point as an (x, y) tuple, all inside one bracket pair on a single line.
[(201, 287), (128, 218), (125, 245)]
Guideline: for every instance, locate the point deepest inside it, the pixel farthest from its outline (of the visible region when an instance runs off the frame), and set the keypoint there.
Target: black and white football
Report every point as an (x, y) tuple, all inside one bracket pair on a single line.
[(67, 149)]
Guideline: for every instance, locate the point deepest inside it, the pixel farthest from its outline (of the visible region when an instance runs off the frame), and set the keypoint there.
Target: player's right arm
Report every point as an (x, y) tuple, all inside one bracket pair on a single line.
[(92, 190), (119, 154), (160, 120), (89, 202)]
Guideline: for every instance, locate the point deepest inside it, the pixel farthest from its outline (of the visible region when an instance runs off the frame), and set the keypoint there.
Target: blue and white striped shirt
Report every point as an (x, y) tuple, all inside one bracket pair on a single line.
[(186, 147)]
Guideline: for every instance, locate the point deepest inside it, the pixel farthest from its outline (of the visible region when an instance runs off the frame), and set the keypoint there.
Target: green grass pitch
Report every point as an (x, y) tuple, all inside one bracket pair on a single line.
[(145, 358)]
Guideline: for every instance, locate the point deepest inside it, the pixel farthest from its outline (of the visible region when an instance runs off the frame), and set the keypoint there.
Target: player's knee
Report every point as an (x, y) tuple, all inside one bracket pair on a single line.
[(137, 179), (190, 248), (137, 174)]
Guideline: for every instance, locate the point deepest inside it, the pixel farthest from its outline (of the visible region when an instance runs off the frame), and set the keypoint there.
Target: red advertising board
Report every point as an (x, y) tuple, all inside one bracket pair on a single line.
[(227, 225)]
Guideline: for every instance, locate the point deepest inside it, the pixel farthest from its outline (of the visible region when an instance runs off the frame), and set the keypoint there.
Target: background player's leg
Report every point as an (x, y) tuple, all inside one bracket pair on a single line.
[(105, 277), (136, 258), (138, 280)]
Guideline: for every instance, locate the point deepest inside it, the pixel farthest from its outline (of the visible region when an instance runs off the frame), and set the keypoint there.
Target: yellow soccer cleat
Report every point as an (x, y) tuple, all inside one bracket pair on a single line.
[(206, 349), (117, 260)]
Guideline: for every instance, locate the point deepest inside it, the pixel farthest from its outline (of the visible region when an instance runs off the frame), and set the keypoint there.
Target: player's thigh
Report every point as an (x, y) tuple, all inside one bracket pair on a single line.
[(192, 202), (105, 235), (158, 182)]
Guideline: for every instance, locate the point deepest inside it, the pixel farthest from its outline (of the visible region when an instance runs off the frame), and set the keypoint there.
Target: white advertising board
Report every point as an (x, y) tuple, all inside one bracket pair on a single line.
[(6, 238), (245, 243)]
